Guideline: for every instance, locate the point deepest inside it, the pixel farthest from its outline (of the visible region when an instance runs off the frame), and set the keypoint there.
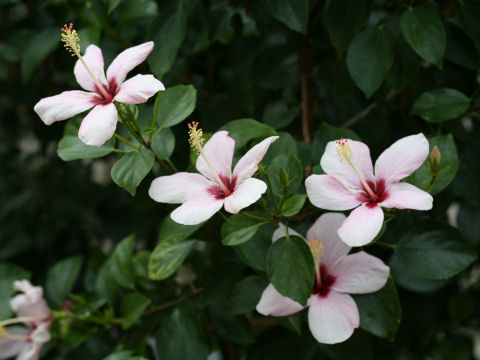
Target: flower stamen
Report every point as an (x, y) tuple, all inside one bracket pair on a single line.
[(316, 247), (4, 334)]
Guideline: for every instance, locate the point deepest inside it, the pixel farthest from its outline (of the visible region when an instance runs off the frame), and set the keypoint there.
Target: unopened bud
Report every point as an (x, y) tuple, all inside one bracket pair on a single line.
[(435, 156)]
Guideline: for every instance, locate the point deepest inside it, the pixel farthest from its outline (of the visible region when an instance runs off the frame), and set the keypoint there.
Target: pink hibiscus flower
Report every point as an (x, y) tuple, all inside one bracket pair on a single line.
[(332, 314), (33, 312), (100, 123), (204, 194), (350, 183)]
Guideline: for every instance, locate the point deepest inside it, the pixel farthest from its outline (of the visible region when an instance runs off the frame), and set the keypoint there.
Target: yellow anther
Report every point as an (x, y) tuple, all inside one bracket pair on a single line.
[(195, 137), (316, 247), (71, 40), (3, 332), (344, 151)]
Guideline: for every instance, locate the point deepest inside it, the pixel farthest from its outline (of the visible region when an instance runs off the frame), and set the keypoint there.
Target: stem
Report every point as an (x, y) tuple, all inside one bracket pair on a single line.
[(122, 139), (23, 319), (255, 217), (391, 246), (171, 303), (169, 162), (304, 75), (155, 115)]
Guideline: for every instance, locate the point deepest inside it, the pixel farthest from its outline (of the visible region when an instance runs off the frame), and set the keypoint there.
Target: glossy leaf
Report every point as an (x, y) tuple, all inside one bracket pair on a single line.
[(166, 258), (244, 130), (238, 229), (163, 144), (129, 171), (246, 294), (132, 308), (62, 277), (440, 105), (293, 204), (121, 263), (176, 104)]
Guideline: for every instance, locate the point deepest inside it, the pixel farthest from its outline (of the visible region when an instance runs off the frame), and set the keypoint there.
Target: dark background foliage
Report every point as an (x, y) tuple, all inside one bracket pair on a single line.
[(314, 71)]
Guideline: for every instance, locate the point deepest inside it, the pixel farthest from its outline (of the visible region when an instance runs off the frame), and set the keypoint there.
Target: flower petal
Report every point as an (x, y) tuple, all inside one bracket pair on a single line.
[(248, 164), (94, 59), (325, 229), (359, 273), (402, 158), (362, 225), (9, 347), (30, 302), (126, 61), (138, 89), (245, 195), (275, 304), (196, 210), (327, 192), (406, 196), (333, 318), (65, 105), (30, 351), (332, 164), (99, 125), (219, 151), (282, 232), (179, 187)]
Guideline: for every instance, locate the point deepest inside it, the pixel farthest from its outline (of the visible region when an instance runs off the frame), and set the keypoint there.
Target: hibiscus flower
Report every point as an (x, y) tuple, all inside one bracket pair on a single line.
[(332, 314), (350, 183), (100, 123)]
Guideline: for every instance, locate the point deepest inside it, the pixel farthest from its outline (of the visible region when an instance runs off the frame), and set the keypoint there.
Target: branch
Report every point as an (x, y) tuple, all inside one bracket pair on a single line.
[(171, 303)]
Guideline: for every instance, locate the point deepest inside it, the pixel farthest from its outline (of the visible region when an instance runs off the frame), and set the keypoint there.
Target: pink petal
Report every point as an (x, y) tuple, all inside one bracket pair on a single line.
[(30, 351), (99, 125), (406, 196), (325, 229), (126, 61), (333, 318), (196, 210), (65, 105), (362, 225), (332, 164), (245, 195), (94, 59), (327, 192), (30, 302), (248, 164), (219, 152), (282, 232), (359, 273), (402, 158), (138, 89), (9, 347), (274, 304), (179, 187)]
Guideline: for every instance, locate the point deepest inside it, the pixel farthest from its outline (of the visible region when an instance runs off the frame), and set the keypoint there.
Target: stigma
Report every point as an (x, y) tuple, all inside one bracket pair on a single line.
[(195, 137), (344, 151), (71, 39)]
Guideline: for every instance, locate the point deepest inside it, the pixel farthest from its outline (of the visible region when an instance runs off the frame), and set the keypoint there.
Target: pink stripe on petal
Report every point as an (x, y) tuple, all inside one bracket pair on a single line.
[(406, 196), (99, 125), (219, 152), (196, 211), (65, 105), (327, 192), (333, 318), (179, 187), (94, 59), (402, 158), (275, 304), (244, 195), (138, 89), (362, 225)]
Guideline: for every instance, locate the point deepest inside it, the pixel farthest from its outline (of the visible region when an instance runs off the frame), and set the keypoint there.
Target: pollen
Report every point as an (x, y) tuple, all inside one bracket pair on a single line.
[(195, 136), (343, 150), (3, 332), (71, 39), (316, 247)]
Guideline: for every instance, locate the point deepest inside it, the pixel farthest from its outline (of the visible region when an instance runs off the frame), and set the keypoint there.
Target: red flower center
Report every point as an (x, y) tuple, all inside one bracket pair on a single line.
[(112, 90), (217, 191), (380, 193), (322, 286)]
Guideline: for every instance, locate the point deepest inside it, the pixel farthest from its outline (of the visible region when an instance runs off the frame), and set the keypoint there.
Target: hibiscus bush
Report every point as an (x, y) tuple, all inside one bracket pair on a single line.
[(232, 179)]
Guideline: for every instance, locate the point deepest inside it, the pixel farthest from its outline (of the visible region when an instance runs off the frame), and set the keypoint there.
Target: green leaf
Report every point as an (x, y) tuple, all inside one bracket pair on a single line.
[(246, 294), (8, 274), (423, 29), (123, 355), (326, 133), (181, 335), (244, 130), (166, 258), (290, 268), (440, 105), (163, 144), (70, 147), (434, 250), (172, 232), (342, 24), (62, 277), (122, 265), (369, 58), (447, 170), (129, 171), (168, 39), (138, 9), (380, 312), (238, 229), (105, 283), (284, 145), (112, 4), (133, 305), (461, 49), (293, 204), (293, 13), (286, 174), (469, 224), (254, 252), (278, 115), (176, 104), (37, 49), (234, 328)]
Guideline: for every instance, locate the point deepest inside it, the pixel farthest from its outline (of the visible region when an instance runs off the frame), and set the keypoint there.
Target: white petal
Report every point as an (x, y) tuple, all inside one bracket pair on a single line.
[(272, 303), (219, 152), (126, 61), (248, 164), (65, 105), (196, 211), (359, 273), (138, 89), (9, 347), (282, 232), (406, 196), (99, 125), (362, 225), (327, 192), (179, 187), (30, 351), (332, 164), (402, 158), (333, 318), (94, 59), (244, 195)]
